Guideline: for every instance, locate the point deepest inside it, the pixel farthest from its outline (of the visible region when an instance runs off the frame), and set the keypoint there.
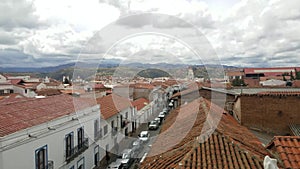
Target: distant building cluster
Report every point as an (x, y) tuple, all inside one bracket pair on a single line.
[(266, 77)]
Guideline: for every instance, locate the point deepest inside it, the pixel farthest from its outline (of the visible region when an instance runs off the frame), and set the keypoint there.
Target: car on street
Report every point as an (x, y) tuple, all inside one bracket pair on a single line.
[(153, 125), (161, 116), (144, 136), (158, 120), (137, 146), (166, 110), (115, 165), (127, 158)]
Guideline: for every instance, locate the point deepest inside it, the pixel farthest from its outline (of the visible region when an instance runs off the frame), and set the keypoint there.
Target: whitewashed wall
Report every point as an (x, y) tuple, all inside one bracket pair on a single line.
[(17, 151)]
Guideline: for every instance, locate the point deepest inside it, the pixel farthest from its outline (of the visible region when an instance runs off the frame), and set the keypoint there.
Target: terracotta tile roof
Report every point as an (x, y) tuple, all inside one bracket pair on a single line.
[(16, 81), (219, 152), (190, 89), (288, 149), (99, 86), (142, 86), (29, 85), (159, 83), (12, 96), (71, 91), (216, 85), (296, 83), (276, 71), (140, 103), (48, 92), (22, 113), (235, 73), (112, 104), (53, 82), (187, 123), (171, 82)]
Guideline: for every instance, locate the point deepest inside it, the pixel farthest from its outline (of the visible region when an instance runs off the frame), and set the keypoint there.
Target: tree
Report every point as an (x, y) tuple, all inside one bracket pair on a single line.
[(238, 82), (297, 75), (292, 76)]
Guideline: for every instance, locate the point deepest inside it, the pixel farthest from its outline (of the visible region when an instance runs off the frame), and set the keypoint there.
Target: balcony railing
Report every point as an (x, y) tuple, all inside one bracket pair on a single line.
[(74, 152), (50, 165), (124, 123)]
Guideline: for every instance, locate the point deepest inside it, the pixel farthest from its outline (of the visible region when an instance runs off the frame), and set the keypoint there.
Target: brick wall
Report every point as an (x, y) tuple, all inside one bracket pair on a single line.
[(270, 113), (217, 98)]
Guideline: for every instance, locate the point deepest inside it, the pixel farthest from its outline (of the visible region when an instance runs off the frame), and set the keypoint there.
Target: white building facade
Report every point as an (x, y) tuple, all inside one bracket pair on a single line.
[(65, 142)]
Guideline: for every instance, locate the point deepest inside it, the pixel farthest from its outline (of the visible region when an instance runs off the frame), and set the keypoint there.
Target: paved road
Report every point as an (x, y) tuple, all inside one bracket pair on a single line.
[(127, 143), (146, 147)]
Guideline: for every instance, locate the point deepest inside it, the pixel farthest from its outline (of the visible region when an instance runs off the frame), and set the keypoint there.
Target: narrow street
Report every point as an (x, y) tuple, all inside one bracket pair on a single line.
[(146, 147), (126, 143)]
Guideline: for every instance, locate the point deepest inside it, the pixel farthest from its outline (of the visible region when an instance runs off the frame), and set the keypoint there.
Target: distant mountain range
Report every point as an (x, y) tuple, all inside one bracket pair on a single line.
[(101, 65)]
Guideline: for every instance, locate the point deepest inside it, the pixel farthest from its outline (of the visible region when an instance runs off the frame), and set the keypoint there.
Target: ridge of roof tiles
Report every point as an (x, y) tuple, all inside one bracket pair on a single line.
[(21, 113), (140, 103), (288, 149), (112, 104), (142, 86), (191, 88), (247, 145)]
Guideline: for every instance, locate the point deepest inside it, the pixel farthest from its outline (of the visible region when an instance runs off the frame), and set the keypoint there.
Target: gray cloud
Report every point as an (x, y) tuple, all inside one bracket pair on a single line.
[(255, 32), (16, 13), (16, 58), (13, 58)]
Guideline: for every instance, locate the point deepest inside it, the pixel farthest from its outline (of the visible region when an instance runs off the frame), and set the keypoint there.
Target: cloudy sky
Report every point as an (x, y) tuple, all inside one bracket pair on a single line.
[(249, 33)]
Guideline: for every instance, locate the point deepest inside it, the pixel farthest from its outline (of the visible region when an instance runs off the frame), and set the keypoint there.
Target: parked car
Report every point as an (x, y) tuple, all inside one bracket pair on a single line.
[(137, 146), (158, 120), (115, 165), (144, 136), (161, 116), (166, 110), (127, 158), (153, 125)]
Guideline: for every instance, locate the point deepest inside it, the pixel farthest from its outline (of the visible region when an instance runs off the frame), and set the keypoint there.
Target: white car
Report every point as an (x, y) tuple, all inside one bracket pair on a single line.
[(127, 158), (116, 164), (158, 120), (137, 146), (144, 136), (153, 125), (161, 115)]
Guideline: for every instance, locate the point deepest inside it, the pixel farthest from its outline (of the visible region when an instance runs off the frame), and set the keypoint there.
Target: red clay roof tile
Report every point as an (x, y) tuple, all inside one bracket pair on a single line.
[(288, 149), (23, 113), (230, 146), (112, 104), (140, 103)]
